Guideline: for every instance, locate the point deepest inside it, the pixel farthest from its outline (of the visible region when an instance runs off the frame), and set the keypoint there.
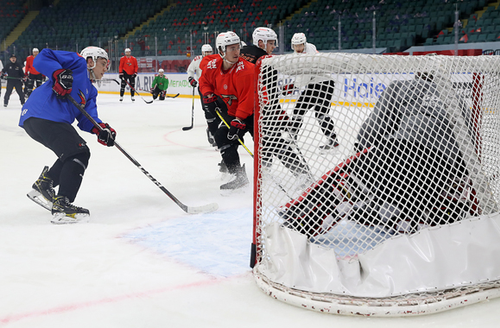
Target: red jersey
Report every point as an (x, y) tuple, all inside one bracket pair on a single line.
[(29, 66), (129, 65), (236, 86)]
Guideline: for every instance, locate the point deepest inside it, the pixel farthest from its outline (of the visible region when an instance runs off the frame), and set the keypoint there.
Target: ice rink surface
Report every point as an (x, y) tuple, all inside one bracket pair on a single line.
[(141, 261)]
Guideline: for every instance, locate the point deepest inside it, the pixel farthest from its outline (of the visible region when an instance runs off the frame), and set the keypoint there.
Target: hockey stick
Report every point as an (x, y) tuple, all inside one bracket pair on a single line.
[(217, 110), (132, 88), (13, 78), (174, 96), (192, 116), (188, 209), (111, 80)]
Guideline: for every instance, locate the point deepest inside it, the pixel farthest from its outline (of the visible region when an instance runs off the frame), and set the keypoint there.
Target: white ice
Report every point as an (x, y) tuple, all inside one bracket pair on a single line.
[(141, 261)]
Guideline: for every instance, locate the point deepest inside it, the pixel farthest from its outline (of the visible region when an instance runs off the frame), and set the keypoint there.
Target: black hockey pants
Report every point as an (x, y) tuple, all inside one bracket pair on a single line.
[(319, 96), (71, 150)]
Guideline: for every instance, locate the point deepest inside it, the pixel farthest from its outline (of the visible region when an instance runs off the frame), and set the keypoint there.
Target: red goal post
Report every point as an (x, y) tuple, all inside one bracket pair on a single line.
[(402, 218)]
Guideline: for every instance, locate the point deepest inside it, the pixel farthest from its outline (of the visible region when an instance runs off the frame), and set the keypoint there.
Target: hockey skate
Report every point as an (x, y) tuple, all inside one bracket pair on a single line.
[(331, 144), (222, 167), (133, 99), (63, 212), (302, 182), (121, 98), (238, 181), (43, 192)]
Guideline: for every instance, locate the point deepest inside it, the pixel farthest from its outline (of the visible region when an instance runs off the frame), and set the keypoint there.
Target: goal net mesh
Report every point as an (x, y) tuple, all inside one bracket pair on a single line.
[(377, 181)]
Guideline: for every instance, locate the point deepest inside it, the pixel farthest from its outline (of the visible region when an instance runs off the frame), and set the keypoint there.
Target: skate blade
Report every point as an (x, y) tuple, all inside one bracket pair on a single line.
[(63, 218), (329, 150), (39, 199), (240, 190)]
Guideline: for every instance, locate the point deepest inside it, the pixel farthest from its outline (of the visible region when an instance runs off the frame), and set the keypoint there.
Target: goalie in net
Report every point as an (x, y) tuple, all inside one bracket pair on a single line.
[(388, 225), (408, 172)]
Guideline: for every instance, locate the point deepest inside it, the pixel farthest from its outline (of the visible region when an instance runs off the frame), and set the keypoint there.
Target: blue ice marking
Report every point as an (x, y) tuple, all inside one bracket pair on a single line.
[(217, 243)]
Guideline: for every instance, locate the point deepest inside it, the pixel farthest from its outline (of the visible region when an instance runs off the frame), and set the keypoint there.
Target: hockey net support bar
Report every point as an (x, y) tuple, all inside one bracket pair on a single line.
[(402, 218)]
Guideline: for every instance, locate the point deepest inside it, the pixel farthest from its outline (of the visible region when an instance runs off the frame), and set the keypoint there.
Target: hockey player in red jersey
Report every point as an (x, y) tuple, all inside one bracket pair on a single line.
[(32, 75), (227, 82), (128, 72)]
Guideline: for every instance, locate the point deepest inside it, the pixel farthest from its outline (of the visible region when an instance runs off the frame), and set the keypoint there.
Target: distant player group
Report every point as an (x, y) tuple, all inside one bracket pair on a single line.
[(16, 74), (224, 81)]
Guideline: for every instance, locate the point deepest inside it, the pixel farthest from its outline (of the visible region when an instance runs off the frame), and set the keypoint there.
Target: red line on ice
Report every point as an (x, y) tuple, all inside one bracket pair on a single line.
[(77, 306)]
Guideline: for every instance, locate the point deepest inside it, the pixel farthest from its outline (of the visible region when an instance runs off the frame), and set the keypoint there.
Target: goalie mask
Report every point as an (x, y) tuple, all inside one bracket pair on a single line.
[(206, 50), (94, 53), (265, 34)]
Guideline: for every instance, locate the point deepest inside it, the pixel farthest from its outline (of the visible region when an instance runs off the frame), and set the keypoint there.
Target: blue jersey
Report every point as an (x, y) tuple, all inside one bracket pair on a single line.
[(43, 102)]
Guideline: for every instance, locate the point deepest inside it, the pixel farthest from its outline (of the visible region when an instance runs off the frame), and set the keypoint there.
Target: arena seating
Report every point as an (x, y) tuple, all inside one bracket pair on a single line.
[(11, 13), (167, 28)]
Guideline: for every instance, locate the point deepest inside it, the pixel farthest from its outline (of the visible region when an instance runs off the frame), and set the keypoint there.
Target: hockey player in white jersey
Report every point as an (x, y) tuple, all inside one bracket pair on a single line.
[(301, 46), (317, 94), (194, 72)]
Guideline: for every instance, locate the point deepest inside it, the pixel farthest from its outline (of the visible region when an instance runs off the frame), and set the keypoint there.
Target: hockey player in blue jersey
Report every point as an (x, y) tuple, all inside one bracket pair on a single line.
[(47, 117)]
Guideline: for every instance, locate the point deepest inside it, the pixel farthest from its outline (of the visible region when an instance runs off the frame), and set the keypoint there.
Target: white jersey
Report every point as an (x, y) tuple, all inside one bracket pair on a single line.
[(304, 79), (310, 49), (193, 69)]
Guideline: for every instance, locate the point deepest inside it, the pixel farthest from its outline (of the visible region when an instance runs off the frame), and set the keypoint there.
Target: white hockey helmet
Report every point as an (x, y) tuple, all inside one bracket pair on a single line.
[(127, 50), (161, 70), (94, 53), (206, 48), (299, 38), (35, 50), (225, 39), (265, 34)]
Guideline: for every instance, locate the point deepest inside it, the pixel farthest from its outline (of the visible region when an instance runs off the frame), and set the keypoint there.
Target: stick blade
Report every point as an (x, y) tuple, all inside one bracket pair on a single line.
[(187, 128), (202, 209)]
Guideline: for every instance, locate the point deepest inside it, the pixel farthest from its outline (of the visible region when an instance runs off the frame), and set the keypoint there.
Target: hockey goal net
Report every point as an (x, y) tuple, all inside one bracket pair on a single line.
[(377, 182)]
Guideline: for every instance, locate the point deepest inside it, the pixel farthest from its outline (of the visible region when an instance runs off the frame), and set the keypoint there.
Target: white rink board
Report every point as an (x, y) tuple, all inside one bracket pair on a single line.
[(177, 83)]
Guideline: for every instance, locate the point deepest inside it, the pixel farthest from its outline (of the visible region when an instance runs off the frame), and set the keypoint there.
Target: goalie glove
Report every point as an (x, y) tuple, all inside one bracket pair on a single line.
[(193, 82), (63, 82), (237, 129), (106, 136)]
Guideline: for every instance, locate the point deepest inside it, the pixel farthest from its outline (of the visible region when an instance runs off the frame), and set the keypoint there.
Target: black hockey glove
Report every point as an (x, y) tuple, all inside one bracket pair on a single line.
[(63, 82), (209, 103), (106, 136), (193, 82), (120, 75), (237, 129)]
